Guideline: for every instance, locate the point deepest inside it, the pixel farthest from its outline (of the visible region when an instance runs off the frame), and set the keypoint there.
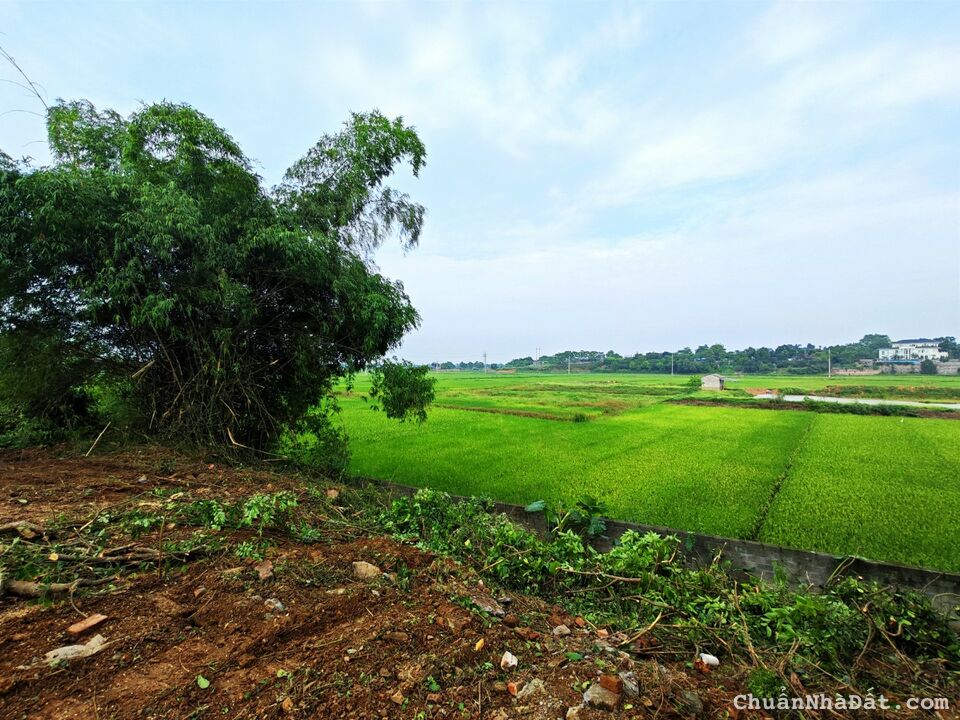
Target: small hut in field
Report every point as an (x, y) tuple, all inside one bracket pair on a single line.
[(711, 382)]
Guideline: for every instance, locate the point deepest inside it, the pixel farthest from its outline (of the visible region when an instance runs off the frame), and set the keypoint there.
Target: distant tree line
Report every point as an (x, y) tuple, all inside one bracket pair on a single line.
[(806, 359)]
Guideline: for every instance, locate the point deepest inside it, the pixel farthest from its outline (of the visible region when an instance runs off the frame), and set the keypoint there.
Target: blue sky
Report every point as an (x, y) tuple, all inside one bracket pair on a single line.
[(624, 176)]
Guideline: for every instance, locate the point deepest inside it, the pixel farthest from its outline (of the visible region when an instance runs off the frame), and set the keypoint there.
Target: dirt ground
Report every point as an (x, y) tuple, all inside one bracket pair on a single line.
[(213, 639)]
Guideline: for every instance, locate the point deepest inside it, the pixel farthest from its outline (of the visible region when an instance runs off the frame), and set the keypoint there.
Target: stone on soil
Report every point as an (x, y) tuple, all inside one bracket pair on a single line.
[(599, 697)]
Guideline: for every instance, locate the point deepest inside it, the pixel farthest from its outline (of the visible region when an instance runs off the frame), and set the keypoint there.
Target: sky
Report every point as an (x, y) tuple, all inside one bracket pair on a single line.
[(602, 175)]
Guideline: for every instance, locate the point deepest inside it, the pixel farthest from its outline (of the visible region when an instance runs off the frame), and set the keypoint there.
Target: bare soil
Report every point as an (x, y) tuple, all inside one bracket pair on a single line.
[(337, 646)]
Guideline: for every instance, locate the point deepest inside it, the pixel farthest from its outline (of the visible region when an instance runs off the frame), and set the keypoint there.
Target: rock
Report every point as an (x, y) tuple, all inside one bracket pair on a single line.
[(396, 636), (508, 661), (397, 698), (74, 652), (88, 623), (612, 683), (531, 690), (511, 620), (561, 630), (526, 633), (274, 604), (573, 712), (631, 686), (603, 633), (504, 600), (264, 569), (599, 697), (690, 702), (365, 571), (487, 604), (512, 688)]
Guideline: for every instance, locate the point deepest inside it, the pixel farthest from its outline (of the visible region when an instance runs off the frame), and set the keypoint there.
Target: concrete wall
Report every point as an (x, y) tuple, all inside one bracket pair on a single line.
[(950, 367), (763, 561)]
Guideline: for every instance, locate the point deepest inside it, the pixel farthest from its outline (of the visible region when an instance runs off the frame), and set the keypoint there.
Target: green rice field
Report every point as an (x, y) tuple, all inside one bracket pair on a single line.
[(886, 488)]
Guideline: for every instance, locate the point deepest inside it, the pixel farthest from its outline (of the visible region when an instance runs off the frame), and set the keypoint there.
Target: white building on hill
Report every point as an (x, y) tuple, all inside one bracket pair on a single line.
[(912, 350)]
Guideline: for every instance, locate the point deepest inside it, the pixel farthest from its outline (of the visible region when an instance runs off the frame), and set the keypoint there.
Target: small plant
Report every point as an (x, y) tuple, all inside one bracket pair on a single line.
[(764, 683), (584, 518)]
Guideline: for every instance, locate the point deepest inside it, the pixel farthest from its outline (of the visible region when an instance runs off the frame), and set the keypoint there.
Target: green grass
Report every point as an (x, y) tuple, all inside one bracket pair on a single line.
[(877, 487), (657, 466), (850, 484)]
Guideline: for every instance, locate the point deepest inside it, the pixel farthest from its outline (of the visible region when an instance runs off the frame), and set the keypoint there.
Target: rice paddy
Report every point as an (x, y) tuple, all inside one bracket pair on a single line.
[(886, 488)]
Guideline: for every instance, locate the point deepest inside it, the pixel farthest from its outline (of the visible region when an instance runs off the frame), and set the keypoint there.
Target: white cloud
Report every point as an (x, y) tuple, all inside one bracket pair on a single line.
[(823, 244), (789, 29)]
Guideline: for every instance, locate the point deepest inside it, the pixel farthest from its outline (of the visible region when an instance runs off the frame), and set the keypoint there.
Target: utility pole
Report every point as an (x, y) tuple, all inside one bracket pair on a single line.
[(484, 360), (671, 364), (829, 362), (568, 364)]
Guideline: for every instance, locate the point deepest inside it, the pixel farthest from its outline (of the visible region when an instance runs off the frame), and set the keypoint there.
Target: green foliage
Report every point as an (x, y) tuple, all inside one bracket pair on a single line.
[(584, 518), (928, 367), (644, 576), (402, 390), (764, 683), (149, 255), (795, 359), (261, 511)]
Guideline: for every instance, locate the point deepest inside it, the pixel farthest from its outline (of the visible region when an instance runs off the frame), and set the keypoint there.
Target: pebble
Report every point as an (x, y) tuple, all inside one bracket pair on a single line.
[(631, 686), (531, 689), (599, 697), (691, 702), (561, 630), (612, 683), (365, 570)]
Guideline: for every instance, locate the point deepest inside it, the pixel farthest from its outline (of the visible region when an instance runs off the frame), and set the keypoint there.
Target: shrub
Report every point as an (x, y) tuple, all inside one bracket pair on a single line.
[(149, 254)]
